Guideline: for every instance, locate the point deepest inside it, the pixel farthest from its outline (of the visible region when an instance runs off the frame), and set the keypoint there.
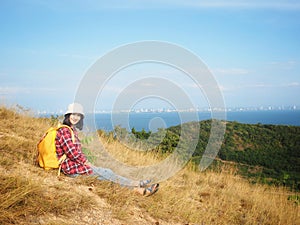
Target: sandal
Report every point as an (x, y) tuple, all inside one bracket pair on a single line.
[(144, 183), (151, 190)]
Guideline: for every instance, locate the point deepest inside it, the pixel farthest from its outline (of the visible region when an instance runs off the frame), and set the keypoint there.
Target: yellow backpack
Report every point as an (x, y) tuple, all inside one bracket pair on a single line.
[(47, 150)]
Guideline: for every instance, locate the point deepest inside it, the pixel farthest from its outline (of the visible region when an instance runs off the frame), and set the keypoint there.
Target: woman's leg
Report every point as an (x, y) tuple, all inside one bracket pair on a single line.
[(109, 175)]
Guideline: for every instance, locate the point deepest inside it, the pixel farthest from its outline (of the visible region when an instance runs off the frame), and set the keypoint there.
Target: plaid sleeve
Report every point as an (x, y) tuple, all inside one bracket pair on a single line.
[(72, 150), (75, 162)]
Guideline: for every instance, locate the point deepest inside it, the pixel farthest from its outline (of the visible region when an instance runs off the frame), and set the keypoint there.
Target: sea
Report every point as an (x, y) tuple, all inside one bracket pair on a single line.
[(152, 121)]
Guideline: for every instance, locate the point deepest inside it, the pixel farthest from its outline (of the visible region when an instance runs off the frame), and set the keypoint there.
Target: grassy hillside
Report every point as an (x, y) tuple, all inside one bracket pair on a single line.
[(263, 153), (30, 195)]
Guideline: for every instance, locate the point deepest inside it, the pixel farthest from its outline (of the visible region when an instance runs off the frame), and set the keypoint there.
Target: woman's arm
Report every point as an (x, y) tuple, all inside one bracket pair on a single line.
[(71, 149)]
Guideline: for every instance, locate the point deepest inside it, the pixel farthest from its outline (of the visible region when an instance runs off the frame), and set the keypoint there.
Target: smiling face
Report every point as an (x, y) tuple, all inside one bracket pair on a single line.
[(75, 118)]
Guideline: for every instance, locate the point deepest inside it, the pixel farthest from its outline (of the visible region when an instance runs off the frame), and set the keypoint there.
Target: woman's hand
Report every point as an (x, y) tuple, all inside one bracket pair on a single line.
[(87, 163)]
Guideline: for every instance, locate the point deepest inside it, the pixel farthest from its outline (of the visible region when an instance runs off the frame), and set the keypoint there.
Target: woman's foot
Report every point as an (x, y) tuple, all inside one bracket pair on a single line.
[(151, 190), (148, 190)]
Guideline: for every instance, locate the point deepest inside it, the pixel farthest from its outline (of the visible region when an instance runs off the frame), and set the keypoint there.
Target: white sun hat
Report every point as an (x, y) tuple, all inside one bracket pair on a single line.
[(75, 108)]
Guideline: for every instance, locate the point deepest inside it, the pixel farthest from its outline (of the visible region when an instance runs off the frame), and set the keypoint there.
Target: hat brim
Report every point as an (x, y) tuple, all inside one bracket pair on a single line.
[(70, 112)]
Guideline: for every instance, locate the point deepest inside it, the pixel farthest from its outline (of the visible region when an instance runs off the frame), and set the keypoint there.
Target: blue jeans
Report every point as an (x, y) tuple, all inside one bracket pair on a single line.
[(109, 175)]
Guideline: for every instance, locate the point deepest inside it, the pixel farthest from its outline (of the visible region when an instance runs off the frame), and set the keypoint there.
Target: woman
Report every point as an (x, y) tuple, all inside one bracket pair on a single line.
[(77, 164)]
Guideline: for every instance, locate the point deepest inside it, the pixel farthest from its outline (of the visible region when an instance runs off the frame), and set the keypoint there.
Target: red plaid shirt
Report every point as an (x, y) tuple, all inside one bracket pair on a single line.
[(75, 161)]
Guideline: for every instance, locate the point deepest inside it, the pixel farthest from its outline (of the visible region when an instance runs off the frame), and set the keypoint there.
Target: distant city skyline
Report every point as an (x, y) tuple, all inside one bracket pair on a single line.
[(167, 110)]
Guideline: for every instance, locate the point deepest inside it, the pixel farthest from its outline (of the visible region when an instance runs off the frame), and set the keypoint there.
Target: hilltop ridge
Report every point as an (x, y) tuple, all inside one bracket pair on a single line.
[(274, 150), (30, 195)]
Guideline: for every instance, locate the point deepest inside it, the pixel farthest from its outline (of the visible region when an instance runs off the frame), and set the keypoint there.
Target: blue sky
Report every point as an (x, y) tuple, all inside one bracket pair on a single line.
[(251, 47)]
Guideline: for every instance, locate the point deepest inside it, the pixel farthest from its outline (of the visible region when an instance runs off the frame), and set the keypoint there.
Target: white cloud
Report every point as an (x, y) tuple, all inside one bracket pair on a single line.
[(259, 86), (247, 4), (292, 84), (291, 64), (15, 90), (166, 4), (109, 89), (192, 85), (12, 90), (76, 56), (230, 71)]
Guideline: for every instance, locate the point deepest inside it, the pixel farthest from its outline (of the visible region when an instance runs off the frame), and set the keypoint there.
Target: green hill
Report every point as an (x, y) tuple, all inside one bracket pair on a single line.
[(263, 153)]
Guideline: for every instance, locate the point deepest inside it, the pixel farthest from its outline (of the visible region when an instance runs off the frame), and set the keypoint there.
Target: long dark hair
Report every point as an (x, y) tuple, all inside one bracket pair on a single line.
[(67, 122)]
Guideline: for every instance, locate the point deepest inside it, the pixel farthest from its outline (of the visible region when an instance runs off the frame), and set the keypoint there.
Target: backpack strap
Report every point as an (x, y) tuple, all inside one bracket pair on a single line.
[(60, 162), (70, 129)]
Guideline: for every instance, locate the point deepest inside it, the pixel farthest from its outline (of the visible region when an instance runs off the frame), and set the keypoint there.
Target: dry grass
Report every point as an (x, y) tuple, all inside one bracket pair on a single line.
[(29, 195), (210, 197)]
